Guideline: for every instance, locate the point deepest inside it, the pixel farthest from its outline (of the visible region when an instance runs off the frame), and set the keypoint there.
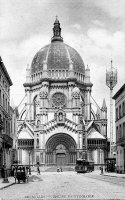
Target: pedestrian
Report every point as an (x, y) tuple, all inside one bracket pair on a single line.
[(38, 169), (101, 170), (61, 169), (58, 169), (2, 171)]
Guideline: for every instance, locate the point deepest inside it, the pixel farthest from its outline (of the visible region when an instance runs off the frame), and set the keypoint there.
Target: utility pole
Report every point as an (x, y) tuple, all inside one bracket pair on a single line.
[(111, 81)]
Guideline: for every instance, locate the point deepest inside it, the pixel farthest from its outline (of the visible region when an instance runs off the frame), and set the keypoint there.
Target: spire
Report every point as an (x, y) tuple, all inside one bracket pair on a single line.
[(104, 107), (98, 113), (56, 31), (87, 68), (111, 63)]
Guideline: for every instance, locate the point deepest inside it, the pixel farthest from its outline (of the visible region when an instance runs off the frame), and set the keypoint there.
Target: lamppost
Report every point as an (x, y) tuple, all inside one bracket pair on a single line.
[(111, 81), (5, 179), (85, 145), (29, 163)]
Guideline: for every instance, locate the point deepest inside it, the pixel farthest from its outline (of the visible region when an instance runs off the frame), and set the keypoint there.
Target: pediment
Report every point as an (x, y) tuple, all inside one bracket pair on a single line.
[(25, 134), (93, 134), (25, 131)]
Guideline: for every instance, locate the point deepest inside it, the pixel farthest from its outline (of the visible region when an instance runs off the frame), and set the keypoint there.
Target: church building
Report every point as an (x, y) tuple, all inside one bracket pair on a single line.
[(57, 124)]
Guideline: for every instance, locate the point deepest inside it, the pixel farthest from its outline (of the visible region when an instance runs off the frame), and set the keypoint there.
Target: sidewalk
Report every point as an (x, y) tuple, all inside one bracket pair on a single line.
[(11, 181), (112, 174), (5, 185)]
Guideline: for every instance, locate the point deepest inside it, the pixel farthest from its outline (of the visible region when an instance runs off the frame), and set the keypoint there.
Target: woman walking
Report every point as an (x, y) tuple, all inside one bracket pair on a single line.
[(38, 169)]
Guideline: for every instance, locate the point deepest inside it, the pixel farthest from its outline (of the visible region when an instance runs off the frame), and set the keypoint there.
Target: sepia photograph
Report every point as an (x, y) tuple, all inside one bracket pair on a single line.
[(62, 99)]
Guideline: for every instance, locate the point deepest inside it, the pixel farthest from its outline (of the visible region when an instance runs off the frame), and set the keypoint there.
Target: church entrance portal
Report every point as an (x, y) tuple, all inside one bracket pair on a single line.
[(61, 150), (61, 155), (61, 159)]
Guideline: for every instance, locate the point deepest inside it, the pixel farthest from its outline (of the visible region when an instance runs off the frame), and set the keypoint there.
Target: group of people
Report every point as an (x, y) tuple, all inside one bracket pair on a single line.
[(59, 169), (16, 168)]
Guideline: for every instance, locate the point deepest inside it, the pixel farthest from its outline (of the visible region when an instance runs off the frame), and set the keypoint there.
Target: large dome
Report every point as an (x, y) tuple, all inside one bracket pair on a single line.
[(57, 54)]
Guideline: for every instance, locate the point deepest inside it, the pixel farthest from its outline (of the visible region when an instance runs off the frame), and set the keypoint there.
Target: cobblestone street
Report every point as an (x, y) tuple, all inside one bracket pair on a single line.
[(67, 185)]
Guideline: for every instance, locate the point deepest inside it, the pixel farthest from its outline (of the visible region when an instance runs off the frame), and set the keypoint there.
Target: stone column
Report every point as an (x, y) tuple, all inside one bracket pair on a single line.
[(81, 140), (54, 158)]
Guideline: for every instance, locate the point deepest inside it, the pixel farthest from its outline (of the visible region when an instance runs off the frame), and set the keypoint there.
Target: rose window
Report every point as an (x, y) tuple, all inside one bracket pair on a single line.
[(58, 100)]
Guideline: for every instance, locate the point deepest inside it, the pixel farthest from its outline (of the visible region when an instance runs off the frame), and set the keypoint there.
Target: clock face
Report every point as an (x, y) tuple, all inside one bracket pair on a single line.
[(58, 100)]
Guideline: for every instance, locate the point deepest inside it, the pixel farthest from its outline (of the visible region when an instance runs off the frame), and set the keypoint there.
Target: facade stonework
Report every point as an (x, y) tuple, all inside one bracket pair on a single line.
[(57, 121), (6, 138)]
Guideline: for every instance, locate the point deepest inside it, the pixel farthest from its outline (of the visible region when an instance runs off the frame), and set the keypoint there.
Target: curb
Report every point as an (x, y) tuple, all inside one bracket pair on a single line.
[(113, 176), (7, 186)]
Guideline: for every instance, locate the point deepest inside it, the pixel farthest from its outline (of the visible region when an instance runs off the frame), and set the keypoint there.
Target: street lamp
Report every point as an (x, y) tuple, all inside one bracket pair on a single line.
[(86, 142), (5, 179), (29, 163), (85, 156)]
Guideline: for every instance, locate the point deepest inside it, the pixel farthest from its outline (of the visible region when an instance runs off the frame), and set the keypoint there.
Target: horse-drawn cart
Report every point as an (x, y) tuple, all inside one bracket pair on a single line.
[(20, 174)]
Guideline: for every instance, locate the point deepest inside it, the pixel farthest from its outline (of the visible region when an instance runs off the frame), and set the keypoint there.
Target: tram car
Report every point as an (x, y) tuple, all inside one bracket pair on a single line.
[(110, 164), (84, 166)]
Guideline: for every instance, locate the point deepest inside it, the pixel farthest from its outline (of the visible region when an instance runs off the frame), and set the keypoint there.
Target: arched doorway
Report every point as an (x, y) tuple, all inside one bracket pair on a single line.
[(61, 155), (61, 150)]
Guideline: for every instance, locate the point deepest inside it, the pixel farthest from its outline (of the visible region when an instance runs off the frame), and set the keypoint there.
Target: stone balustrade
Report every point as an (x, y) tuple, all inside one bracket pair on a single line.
[(56, 74)]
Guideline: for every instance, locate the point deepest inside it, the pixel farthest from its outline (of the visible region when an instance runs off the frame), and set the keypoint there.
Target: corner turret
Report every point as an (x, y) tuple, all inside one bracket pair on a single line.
[(87, 75), (28, 74)]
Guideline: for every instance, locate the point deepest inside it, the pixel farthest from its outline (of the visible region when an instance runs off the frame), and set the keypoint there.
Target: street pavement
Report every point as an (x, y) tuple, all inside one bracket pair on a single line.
[(66, 185)]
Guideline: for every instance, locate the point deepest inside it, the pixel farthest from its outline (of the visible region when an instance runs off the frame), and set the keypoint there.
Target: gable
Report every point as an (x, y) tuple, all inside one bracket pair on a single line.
[(92, 125), (25, 134), (93, 134)]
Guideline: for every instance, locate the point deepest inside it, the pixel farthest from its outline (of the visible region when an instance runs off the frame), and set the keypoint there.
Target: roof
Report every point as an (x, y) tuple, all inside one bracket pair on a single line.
[(95, 135), (119, 92), (25, 134), (57, 54), (5, 71)]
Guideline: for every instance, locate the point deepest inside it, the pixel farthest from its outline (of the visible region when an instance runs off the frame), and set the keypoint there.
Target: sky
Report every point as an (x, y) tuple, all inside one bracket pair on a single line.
[(96, 29)]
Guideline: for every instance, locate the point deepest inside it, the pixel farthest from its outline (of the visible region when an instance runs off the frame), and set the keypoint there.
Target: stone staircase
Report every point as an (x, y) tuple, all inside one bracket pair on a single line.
[(53, 168)]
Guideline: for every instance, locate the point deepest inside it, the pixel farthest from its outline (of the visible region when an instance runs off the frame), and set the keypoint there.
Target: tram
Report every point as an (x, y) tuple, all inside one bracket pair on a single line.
[(84, 166)]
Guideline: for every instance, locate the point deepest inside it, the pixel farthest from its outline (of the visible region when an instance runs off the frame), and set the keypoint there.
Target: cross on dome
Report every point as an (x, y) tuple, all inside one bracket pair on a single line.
[(56, 18)]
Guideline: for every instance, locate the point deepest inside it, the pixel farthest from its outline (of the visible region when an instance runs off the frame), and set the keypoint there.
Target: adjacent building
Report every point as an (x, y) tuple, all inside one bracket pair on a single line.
[(119, 98), (6, 141), (13, 132), (58, 124)]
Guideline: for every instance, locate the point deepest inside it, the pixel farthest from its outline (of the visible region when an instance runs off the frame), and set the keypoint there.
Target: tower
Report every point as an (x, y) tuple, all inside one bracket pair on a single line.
[(111, 81)]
